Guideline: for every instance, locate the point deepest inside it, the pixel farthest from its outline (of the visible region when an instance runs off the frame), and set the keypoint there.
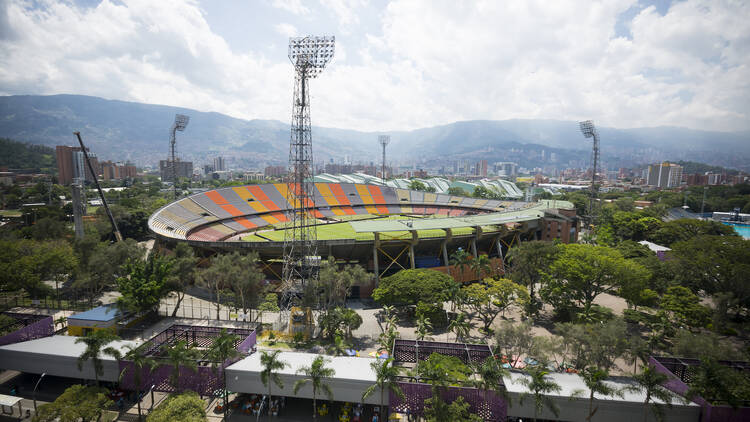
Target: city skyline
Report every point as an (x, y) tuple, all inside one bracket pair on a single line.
[(398, 65)]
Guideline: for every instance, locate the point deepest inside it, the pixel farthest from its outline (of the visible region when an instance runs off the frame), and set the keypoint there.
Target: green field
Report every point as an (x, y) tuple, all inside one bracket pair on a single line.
[(344, 230)]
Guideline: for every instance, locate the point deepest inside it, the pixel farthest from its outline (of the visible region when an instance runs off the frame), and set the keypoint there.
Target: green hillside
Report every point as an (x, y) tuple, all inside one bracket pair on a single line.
[(18, 155)]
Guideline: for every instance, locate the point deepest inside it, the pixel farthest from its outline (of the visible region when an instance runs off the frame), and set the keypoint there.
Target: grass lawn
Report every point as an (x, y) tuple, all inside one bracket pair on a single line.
[(10, 213), (344, 230)]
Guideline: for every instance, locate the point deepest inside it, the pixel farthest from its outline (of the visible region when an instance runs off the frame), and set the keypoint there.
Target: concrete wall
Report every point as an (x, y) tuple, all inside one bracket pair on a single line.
[(343, 390)]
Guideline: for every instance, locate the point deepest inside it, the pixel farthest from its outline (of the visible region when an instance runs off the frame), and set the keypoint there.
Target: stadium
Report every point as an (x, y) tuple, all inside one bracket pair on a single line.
[(382, 228)]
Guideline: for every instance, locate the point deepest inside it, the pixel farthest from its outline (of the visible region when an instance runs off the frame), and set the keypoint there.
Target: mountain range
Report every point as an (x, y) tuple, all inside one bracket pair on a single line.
[(121, 130)]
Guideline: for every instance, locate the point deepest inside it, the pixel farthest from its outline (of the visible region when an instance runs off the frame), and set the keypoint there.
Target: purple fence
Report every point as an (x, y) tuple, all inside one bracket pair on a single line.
[(487, 404), (680, 370), (415, 350), (205, 380), (248, 344), (32, 327)]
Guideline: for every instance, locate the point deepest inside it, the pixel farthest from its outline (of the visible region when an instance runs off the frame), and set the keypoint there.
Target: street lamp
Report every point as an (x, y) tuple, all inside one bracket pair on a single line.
[(151, 390), (35, 387)]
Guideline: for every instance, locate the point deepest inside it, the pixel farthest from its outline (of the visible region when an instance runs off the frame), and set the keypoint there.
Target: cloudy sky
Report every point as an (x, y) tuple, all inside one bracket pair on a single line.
[(402, 64)]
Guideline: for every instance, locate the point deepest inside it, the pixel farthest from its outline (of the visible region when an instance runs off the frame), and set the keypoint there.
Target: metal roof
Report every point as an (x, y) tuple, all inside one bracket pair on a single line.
[(101, 313), (63, 346), (346, 367), (370, 226)]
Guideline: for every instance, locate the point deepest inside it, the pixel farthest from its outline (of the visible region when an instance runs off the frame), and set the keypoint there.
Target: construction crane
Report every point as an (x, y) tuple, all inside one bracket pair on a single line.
[(118, 235)]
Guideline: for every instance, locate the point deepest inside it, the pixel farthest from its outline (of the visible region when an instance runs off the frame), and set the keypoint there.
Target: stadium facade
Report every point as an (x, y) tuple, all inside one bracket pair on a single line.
[(382, 228)]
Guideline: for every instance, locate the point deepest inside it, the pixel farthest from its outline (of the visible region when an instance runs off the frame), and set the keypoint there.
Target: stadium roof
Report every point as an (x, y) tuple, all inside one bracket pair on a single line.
[(537, 211), (504, 188)]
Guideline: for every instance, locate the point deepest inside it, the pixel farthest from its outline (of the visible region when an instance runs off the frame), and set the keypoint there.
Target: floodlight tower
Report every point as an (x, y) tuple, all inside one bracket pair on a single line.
[(384, 140), (180, 123), (589, 131), (309, 55)]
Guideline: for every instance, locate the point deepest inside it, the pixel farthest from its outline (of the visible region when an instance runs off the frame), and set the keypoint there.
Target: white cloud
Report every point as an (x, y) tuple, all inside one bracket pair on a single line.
[(286, 29), (292, 6), (427, 62)]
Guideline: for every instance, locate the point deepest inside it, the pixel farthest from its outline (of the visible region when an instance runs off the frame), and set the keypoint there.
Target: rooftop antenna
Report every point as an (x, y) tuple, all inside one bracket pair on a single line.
[(180, 123), (309, 55), (589, 131), (384, 140)]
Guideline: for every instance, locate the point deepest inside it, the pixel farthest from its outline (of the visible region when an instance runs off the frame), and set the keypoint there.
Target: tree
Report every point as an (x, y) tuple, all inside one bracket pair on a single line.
[(719, 384), (95, 345), (514, 339), (99, 269), (247, 283), (58, 263), (461, 326), (220, 275), (270, 304), (461, 260), (417, 185), (480, 265), (539, 385), (182, 276), (140, 363), (490, 378), (334, 283), (145, 283), (594, 378), (483, 192), (180, 354), (491, 297), (684, 308), (339, 319), (436, 410), (424, 326), (580, 273), (76, 403), (184, 407), (529, 261), (223, 347), (271, 364), (594, 345), (716, 265), (455, 190), (650, 381), (315, 374), (386, 376), (407, 287), (685, 229)]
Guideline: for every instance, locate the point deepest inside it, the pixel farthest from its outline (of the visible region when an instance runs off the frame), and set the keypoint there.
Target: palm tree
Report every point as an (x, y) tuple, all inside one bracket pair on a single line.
[(351, 320), (461, 259), (594, 379), (139, 361), (62, 320), (480, 265), (271, 365), (95, 343), (385, 376), (339, 345), (222, 349), (315, 373), (461, 326), (180, 354), (539, 385), (650, 381), (491, 378), (423, 327)]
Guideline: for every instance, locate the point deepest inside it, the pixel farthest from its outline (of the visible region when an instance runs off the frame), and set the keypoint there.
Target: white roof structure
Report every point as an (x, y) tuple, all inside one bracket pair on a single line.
[(572, 399), (9, 401), (58, 356), (654, 247), (353, 376)]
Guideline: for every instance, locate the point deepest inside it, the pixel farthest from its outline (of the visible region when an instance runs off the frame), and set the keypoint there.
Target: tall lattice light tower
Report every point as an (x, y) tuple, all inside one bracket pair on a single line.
[(384, 140), (589, 131), (180, 123), (309, 55)]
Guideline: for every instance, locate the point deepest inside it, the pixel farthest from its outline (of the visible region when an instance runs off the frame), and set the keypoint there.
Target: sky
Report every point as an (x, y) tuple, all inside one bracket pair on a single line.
[(398, 65)]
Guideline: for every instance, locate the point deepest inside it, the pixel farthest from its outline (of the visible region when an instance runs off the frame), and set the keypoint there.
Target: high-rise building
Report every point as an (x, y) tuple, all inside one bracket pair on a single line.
[(481, 168), (71, 164), (219, 164), (664, 175), (182, 168), (117, 171), (506, 169)]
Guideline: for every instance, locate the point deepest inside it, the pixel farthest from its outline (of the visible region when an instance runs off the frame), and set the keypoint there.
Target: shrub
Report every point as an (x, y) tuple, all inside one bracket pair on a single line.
[(434, 312)]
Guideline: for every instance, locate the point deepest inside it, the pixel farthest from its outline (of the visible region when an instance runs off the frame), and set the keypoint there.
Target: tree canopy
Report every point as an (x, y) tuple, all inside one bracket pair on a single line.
[(185, 407), (76, 403), (408, 287)]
